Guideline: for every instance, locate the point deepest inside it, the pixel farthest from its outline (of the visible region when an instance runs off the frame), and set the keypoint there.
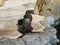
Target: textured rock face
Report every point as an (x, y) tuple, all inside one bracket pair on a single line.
[(1, 2), (46, 38), (51, 8), (37, 27)]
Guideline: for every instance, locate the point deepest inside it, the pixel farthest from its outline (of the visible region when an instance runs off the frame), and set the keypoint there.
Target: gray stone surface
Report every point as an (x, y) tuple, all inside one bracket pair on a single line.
[(48, 37), (7, 41)]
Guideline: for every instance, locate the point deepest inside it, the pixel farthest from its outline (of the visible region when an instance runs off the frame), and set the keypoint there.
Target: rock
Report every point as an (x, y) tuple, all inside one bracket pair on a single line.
[(9, 33), (37, 18), (33, 39), (1, 2), (48, 21), (7, 41), (45, 38), (51, 8), (37, 27)]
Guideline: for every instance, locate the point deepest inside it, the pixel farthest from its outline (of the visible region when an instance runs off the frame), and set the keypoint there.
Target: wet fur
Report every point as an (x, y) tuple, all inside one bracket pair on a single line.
[(24, 25)]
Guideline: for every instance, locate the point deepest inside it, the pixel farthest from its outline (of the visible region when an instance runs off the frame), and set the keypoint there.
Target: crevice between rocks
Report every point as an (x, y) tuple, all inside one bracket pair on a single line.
[(57, 27), (24, 41)]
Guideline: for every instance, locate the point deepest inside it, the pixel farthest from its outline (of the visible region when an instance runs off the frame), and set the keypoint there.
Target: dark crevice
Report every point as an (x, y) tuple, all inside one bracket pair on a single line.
[(24, 41), (57, 27)]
